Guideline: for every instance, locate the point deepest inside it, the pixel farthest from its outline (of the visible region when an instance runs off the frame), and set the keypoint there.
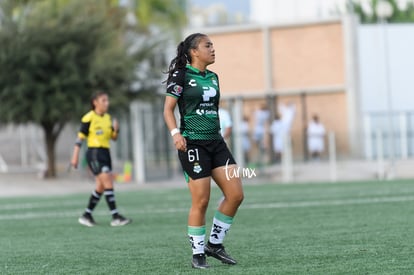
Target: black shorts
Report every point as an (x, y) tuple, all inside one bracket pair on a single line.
[(99, 160), (203, 156)]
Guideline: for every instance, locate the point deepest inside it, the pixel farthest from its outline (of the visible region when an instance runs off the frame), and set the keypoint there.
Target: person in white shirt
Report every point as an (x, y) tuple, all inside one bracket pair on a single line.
[(226, 124), (316, 137), (261, 116), (287, 113), (244, 131), (278, 130)]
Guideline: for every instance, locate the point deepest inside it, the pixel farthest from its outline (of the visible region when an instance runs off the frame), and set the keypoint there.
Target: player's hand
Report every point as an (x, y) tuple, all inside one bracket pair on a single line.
[(180, 142), (115, 125), (74, 162)]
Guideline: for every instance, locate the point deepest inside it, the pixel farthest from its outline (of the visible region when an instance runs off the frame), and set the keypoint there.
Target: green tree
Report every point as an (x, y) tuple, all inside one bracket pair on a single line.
[(369, 17), (168, 13), (54, 53)]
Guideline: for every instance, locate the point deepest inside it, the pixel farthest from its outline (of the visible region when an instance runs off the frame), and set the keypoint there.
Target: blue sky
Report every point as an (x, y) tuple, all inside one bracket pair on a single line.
[(231, 5)]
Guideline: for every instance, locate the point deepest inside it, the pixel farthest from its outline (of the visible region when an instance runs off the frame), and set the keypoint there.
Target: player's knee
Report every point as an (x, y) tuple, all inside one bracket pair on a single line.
[(106, 180), (99, 188), (236, 198), (200, 204)]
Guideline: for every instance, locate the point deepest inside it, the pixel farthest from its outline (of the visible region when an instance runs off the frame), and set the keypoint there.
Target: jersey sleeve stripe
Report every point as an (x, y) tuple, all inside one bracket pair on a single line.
[(174, 96)]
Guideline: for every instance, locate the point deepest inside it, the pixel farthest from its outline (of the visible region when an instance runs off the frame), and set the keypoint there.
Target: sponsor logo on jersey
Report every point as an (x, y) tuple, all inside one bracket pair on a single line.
[(200, 112), (205, 112), (208, 93), (177, 90), (99, 132), (171, 84), (192, 83), (214, 81), (207, 104)]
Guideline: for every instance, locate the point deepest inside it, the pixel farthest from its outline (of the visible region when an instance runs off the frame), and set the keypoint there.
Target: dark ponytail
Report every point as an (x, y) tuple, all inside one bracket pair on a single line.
[(183, 53)]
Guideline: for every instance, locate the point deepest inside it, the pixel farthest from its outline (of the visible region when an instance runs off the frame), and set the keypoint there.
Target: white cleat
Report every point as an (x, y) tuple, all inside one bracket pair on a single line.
[(120, 221), (87, 221)]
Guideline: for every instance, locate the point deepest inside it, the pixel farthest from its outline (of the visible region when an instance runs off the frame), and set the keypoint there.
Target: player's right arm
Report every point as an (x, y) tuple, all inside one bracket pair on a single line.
[(169, 117), (82, 134), (75, 156), (175, 88)]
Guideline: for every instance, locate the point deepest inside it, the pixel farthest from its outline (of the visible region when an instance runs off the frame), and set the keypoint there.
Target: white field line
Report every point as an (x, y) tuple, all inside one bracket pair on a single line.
[(65, 214), (330, 202), (34, 205)]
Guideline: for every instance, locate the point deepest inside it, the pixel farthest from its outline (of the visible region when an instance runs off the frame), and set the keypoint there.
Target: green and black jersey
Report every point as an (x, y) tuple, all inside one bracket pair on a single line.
[(198, 95)]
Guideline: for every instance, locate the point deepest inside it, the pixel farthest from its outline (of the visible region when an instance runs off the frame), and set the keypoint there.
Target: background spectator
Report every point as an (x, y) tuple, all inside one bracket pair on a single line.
[(316, 136)]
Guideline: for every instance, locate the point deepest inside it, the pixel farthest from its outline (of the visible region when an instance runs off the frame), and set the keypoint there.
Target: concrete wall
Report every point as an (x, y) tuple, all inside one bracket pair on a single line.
[(239, 61), (286, 61), (307, 56)]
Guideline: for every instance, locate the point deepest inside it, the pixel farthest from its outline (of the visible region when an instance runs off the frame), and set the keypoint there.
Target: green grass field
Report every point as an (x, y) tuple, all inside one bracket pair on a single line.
[(343, 228)]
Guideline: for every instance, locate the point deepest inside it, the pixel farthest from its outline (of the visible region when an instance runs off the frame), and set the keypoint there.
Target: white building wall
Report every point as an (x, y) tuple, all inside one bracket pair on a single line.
[(372, 66), (386, 63), (281, 11)]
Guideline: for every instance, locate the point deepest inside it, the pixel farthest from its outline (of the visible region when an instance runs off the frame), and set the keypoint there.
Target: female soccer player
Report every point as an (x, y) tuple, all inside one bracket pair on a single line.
[(98, 130), (201, 148)]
